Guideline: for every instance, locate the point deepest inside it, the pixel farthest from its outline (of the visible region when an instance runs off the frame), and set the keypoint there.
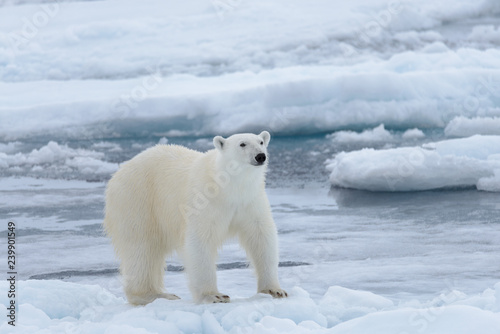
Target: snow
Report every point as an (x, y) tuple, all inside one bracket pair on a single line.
[(55, 158), (491, 183), (485, 33), (225, 104), (55, 306), (287, 66), (111, 147), (464, 127), (378, 134), (413, 134), (452, 319), (451, 163), (163, 141), (86, 85), (373, 137), (350, 304)]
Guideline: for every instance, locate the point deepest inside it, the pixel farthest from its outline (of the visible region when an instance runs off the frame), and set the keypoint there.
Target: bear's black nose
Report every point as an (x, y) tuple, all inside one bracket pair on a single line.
[(260, 158)]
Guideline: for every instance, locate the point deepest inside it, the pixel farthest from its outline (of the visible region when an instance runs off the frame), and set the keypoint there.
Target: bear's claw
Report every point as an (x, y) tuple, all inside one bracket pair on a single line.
[(218, 298), (276, 293), (169, 296)]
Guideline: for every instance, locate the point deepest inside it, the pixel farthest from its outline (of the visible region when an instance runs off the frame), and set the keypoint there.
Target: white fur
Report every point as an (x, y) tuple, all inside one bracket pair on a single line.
[(170, 198)]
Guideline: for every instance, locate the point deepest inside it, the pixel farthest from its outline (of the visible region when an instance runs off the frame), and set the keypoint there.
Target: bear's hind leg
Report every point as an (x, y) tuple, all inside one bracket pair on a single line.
[(142, 272)]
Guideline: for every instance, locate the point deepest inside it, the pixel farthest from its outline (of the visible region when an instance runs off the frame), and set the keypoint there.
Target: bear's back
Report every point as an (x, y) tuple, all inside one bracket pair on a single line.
[(150, 186), (169, 153), (163, 159)]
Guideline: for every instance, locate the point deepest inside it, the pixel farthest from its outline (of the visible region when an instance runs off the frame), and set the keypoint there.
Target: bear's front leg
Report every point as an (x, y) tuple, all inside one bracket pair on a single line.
[(260, 241), (200, 254)]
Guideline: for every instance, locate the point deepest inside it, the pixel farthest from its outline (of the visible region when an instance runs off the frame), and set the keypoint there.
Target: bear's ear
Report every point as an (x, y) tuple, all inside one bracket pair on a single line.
[(219, 142), (266, 137)]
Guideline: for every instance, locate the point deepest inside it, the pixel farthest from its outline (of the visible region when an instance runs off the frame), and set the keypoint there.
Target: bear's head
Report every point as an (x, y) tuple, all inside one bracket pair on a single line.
[(244, 148)]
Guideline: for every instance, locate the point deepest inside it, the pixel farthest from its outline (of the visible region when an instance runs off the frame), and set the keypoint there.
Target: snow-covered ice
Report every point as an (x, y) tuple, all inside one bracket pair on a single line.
[(54, 158), (378, 134), (490, 183), (63, 307), (284, 65), (408, 91), (465, 127), (465, 162), (413, 134)]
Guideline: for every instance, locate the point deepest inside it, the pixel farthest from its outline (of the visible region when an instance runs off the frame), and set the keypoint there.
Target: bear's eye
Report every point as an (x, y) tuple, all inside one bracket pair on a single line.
[(262, 143), (243, 145)]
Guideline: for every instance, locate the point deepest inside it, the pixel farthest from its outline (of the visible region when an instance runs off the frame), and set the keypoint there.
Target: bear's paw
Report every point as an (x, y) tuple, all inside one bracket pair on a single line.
[(168, 296), (276, 293), (216, 298)]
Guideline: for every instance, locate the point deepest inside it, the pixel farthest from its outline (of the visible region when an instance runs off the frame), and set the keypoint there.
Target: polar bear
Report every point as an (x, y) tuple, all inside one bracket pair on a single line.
[(171, 198)]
